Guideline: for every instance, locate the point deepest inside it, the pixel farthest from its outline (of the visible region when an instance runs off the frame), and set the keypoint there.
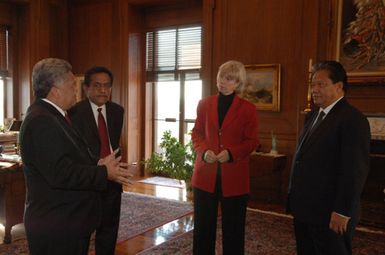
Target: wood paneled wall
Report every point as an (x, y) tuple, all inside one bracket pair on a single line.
[(39, 29)]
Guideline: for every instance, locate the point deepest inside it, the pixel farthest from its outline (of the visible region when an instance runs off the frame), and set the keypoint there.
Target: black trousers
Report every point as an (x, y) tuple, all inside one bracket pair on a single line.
[(107, 231), (233, 211), (321, 240), (40, 243)]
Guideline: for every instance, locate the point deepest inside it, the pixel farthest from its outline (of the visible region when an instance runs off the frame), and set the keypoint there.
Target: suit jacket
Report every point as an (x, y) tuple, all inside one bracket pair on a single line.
[(238, 134), (331, 166), (63, 184), (83, 121)]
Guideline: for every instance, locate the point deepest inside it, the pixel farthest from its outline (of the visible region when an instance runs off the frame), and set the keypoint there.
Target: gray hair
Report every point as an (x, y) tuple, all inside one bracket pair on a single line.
[(46, 73), (234, 70)]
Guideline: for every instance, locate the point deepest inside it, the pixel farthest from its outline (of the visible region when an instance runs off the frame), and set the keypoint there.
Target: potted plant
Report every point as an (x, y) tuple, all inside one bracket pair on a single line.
[(175, 160)]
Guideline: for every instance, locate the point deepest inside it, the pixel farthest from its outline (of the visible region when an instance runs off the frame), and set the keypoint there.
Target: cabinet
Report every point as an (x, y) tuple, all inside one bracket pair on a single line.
[(373, 196), (12, 197), (265, 177)]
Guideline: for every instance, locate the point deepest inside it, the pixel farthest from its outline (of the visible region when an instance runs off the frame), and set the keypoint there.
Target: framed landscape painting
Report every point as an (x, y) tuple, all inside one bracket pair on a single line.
[(263, 86)]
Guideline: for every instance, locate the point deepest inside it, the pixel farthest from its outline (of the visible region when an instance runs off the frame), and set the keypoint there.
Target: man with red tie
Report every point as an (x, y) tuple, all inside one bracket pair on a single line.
[(100, 123)]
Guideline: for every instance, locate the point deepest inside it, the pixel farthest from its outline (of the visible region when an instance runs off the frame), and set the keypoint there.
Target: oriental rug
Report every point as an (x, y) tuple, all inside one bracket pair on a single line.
[(163, 181), (269, 234), (139, 213)]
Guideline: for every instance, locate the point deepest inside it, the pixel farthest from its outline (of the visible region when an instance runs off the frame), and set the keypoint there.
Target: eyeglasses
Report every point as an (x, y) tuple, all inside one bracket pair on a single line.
[(98, 85)]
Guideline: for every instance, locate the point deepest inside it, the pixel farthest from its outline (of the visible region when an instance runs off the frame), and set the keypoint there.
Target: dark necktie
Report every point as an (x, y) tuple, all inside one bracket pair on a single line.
[(311, 129), (67, 118), (317, 122), (103, 135)]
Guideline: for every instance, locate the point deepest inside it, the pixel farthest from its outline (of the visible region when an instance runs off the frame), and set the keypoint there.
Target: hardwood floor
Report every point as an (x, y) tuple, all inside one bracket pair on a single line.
[(163, 233)]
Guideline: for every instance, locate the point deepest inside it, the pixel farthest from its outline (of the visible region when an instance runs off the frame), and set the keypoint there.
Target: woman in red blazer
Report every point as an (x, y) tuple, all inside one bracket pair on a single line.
[(224, 135)]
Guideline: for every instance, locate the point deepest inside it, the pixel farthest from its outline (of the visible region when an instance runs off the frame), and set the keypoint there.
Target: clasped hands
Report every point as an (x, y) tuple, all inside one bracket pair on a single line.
[(117, 171), (221, 157)]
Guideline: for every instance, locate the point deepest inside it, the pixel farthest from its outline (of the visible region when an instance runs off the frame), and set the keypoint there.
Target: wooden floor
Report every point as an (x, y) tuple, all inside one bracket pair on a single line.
[(161, 234)]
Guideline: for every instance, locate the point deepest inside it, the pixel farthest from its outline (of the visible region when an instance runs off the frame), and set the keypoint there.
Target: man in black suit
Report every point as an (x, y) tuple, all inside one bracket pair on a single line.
[(63, 205), (329, 168), (86, 117)]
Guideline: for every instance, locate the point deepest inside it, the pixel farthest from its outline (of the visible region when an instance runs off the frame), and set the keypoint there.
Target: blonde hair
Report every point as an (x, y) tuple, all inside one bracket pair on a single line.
[(233, 70)]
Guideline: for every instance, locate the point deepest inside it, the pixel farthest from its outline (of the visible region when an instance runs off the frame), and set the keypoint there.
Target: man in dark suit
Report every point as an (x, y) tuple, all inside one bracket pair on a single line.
[(63, 205), (329, 168), (86, 117)]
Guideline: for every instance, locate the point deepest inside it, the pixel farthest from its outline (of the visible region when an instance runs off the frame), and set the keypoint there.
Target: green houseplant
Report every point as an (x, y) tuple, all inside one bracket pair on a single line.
[(175, 161)]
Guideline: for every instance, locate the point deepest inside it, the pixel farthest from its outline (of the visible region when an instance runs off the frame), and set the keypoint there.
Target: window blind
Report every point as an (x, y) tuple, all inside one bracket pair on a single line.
[(3, 50), (172, 50)]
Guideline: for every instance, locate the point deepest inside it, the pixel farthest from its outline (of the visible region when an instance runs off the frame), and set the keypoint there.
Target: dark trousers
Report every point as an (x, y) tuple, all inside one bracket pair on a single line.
[(205, 222), (321, 240), (57, 243), (107, 231)]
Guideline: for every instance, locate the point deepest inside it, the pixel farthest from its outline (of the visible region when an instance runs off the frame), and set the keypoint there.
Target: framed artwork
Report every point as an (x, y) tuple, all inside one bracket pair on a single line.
[(360, 33), (79, 87), (263, 86)]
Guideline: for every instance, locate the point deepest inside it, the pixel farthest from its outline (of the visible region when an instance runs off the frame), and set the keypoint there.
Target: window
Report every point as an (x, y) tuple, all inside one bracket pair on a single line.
[(3, 69), (173, 65)]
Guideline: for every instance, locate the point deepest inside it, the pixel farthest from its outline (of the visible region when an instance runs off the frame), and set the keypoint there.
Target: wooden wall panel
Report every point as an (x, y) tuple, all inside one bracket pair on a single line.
[(6, 13), (90, 34), (58, 30), (39, 29), (173, 16)]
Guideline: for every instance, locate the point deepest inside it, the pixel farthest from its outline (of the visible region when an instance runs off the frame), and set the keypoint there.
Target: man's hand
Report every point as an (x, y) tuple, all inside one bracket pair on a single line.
[(210, 157), (117, 171), (338, 223), (223, 156)]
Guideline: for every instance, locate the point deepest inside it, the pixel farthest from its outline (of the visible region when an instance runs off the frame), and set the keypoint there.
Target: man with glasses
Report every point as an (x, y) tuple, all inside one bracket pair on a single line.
[(330, 167), (100, 123)]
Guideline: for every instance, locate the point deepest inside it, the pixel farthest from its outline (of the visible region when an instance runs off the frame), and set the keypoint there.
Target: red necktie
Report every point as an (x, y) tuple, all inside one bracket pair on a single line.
[(103, 135), (67, 118)]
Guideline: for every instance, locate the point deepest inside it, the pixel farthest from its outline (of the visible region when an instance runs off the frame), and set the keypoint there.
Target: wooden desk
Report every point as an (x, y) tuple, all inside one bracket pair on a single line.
[(265, 177), (12, 198)]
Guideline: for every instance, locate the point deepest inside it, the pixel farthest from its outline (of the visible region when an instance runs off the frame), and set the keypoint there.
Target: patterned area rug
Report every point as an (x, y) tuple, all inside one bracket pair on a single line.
[(139, 213), (268, 234), (163, 181)]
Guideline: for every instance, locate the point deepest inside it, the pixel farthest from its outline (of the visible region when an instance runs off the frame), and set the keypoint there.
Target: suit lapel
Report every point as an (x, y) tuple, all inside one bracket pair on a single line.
[(90, 119), (306, 130), (72, 134), (110, 119), (213, 111), (324, 126)]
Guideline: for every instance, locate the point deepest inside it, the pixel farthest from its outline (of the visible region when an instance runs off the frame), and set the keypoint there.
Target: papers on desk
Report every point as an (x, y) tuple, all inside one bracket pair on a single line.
[(10, 158), (5, 164)]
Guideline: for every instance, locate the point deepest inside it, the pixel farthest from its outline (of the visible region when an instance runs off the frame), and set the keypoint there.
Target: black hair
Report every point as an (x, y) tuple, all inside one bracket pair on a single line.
[(94, 70), (336, 71)]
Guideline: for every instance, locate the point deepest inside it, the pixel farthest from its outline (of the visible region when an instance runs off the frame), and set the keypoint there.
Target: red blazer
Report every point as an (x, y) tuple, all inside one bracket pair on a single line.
[(238, 134)]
